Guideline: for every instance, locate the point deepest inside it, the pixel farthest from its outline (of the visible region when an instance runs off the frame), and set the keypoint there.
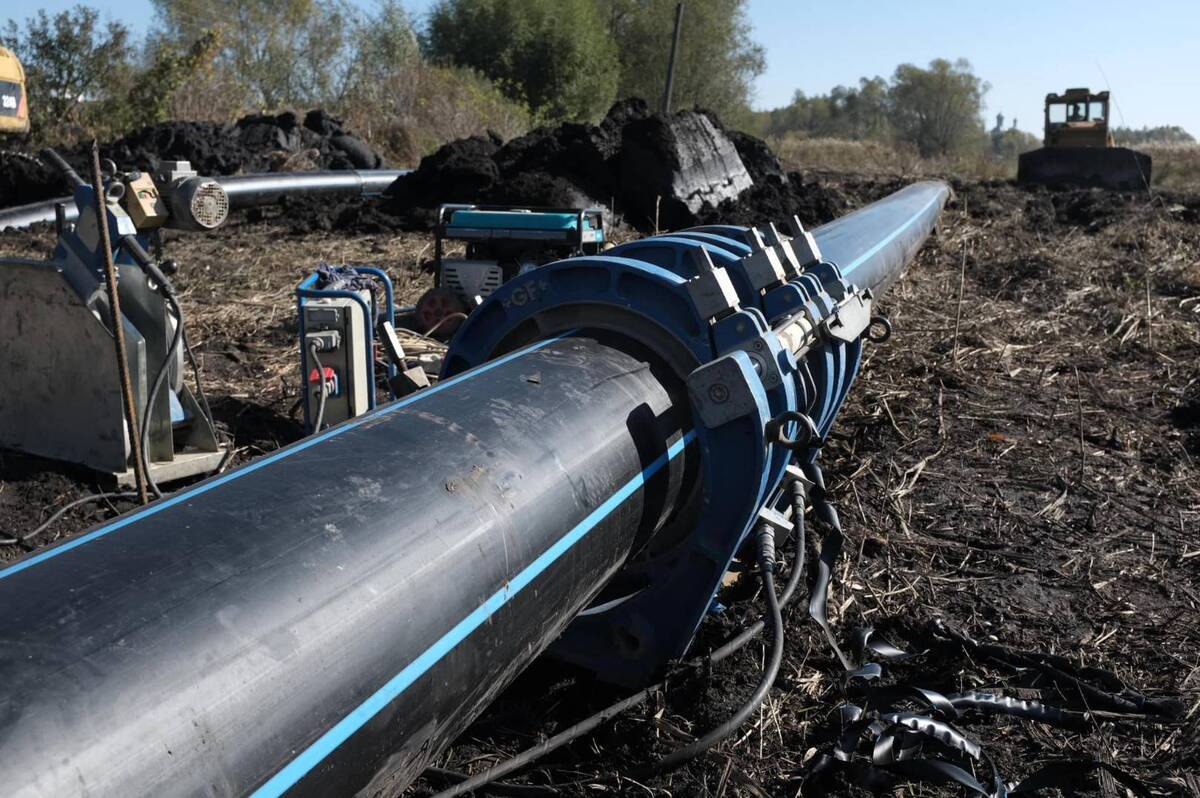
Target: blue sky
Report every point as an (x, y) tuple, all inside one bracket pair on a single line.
[(1147, 53)]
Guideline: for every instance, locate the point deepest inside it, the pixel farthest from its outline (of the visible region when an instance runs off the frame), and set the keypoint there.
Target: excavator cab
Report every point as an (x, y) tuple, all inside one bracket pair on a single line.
[(14, 112), (1079, 148)]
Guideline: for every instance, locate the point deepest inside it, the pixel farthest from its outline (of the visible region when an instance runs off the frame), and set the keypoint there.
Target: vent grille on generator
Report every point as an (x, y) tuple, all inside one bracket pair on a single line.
[(210, 205), (472, 278)]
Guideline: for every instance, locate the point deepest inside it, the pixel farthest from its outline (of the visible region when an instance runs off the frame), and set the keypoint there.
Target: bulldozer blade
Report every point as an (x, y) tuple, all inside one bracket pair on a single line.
[(1118, 168)]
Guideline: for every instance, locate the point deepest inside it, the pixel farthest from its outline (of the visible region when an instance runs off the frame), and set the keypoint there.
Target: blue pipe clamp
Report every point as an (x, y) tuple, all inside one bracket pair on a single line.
[(728, 309)]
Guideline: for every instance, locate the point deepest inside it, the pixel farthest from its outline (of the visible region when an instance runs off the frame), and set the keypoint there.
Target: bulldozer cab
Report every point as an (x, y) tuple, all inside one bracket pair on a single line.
[(14, 113), (1077, 118)]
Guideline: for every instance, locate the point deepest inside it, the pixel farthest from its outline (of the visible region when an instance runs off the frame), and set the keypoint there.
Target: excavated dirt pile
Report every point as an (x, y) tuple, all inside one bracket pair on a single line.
[(640, 165), (649, 171), (257, 143)]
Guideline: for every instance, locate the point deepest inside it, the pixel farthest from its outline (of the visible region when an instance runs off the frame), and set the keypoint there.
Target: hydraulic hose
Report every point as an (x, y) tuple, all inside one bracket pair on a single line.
[(774, 612), (61, 511), (179, 338)]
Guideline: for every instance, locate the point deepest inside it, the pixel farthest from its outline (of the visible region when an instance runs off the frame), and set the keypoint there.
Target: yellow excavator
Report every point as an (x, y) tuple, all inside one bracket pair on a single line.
[(14, 111), (1079, 149)]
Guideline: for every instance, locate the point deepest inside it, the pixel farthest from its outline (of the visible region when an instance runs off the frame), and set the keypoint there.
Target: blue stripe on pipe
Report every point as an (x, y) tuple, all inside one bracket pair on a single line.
[(873, 250), (268, 460), (360, 715)]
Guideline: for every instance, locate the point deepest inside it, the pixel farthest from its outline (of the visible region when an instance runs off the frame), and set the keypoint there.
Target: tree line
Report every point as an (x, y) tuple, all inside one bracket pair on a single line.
[(531, 61), (938, 109), (470, 65), (1161, 134)]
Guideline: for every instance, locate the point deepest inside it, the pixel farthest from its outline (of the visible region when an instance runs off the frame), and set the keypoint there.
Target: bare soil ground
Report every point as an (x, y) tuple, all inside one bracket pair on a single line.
[(1019, 462)]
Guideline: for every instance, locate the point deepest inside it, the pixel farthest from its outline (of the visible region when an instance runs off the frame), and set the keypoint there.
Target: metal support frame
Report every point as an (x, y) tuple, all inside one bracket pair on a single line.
[(55, 314)]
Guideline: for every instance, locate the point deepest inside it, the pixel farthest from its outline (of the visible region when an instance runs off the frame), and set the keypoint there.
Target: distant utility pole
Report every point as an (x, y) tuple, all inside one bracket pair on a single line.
[(666, 100)]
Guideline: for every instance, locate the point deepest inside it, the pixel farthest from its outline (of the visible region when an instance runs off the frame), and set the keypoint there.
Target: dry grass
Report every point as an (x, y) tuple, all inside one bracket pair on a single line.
[(1176, 166), (885, 159)]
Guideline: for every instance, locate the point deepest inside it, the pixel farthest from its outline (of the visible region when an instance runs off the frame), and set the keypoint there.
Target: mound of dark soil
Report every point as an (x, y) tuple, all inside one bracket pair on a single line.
[(760, 162), (644, 166), (257, 143)]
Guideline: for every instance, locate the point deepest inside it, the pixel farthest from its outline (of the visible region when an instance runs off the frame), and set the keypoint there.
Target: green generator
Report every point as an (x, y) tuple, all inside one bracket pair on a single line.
[(499, 242)]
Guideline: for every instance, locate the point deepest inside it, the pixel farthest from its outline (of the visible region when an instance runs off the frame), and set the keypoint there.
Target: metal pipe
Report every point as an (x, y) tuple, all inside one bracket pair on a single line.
[(58, 162), (116, 323), (245, 191), (326, 619)]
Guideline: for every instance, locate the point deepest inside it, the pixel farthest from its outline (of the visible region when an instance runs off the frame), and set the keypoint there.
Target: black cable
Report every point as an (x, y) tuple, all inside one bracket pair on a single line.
[(735, 643), (202, 399), (689, 752), (167, 290), (495, 789), (63, 510), (312, 352)]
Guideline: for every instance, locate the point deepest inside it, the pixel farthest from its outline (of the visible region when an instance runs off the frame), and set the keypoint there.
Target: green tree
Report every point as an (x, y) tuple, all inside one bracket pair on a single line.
[(385, 43), (552, 55), (717, 61), (283, 51), (170, 68), (71, 61), (862, 112), (938, 109)]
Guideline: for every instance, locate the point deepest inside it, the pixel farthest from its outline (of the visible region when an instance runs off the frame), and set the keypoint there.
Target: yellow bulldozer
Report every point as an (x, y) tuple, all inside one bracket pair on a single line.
[(14, 111), (1079, 149)]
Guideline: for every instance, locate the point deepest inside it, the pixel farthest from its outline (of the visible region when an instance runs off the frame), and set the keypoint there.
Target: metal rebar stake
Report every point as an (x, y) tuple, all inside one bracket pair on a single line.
[(114, 306)]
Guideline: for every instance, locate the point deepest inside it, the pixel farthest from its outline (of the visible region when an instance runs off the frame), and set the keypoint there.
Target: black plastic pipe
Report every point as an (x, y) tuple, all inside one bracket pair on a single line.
[(871, 245), (328, 618), (245, 191)]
